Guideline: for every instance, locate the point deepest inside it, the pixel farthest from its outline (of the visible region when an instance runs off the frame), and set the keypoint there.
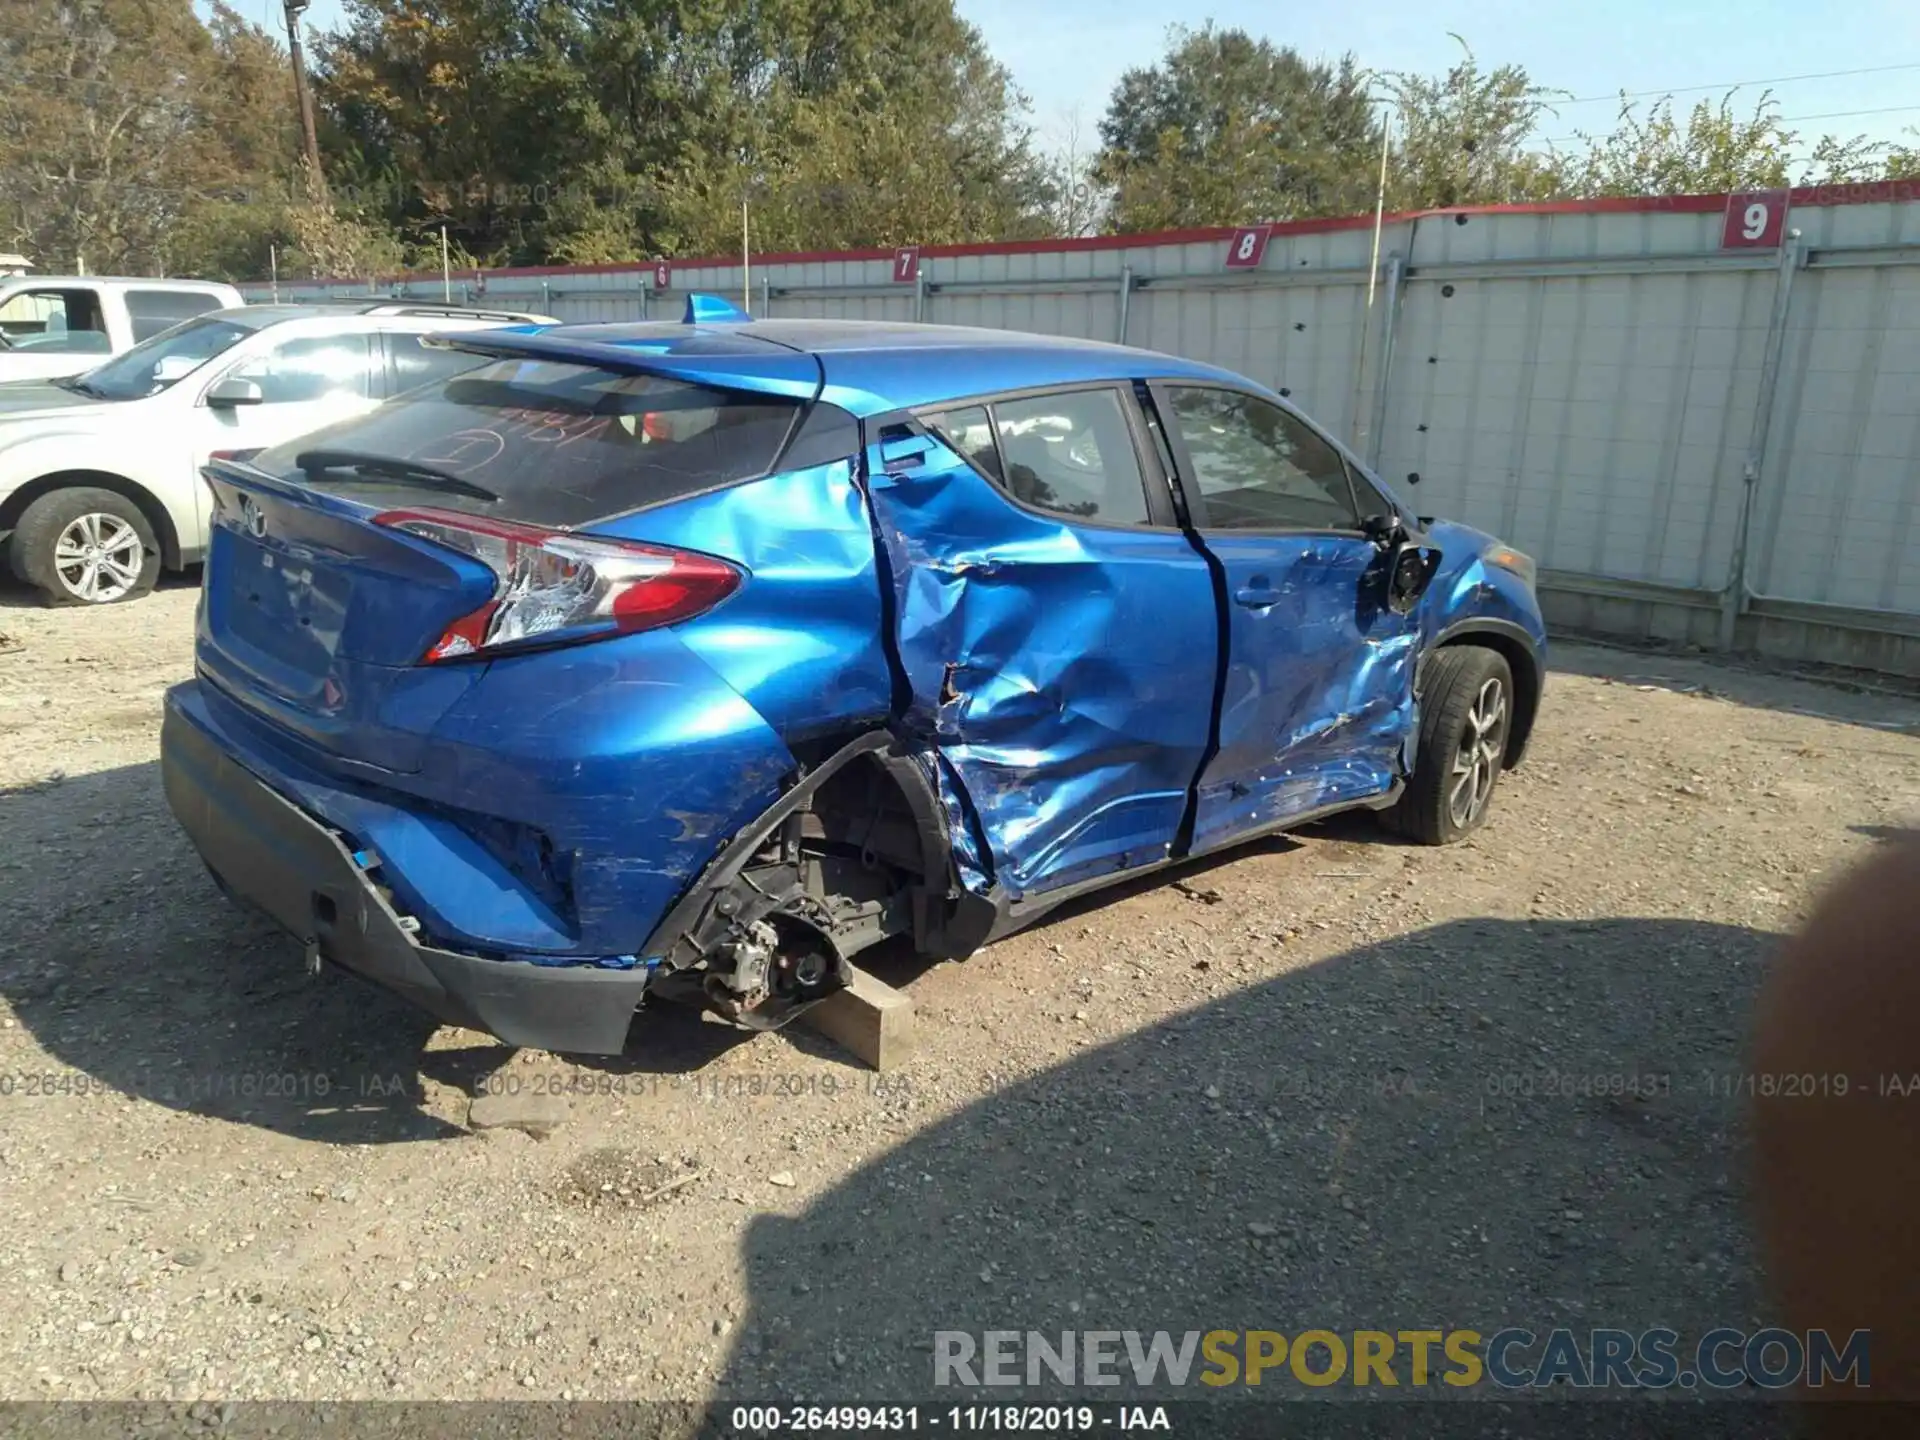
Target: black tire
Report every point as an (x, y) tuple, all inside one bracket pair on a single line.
[(1455, 702), (35, 552)]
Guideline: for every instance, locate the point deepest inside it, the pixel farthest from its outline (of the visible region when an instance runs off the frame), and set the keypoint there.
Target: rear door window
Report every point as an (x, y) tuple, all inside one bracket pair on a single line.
[(312, 367), (1069, 453), (969, 431), (155, 310), (1073, 454), (547, 442), (1259, 468)]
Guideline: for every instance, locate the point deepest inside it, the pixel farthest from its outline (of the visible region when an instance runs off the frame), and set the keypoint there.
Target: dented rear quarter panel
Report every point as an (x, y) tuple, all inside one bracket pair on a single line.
[(636, 757), (801, 641), (641, 756), (632, 755)]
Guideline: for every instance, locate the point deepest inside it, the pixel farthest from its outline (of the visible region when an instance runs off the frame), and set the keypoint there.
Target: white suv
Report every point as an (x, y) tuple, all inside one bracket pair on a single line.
[(54, 325), (100, 473)]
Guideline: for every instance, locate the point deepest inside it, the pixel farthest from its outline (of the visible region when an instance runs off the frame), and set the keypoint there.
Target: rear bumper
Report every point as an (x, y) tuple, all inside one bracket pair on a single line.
[(272, 854)]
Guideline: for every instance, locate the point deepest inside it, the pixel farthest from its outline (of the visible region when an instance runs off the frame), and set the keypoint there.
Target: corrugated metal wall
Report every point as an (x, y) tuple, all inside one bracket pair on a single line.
[(1582, 383)]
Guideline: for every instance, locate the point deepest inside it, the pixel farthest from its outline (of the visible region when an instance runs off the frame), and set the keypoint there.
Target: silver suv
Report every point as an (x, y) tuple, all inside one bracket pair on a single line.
[(100, 472)]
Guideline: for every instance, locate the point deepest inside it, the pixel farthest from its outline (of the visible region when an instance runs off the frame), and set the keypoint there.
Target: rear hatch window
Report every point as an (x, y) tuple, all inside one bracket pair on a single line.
[(545, 442)]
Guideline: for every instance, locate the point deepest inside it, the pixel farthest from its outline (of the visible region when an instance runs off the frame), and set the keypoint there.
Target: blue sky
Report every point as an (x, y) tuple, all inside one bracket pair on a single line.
[(1066, 54)]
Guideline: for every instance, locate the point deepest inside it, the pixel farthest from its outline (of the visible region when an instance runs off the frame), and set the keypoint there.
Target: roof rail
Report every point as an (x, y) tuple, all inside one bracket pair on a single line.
[(415, 307)]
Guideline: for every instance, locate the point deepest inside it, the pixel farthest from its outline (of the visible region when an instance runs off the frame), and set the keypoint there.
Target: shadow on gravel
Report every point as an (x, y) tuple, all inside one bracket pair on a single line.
[(1887, 832), (137, 976), (1437, 1131)]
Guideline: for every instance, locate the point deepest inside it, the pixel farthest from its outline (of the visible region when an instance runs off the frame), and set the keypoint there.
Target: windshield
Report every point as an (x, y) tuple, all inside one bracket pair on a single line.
[(541, 441), (153, 365)]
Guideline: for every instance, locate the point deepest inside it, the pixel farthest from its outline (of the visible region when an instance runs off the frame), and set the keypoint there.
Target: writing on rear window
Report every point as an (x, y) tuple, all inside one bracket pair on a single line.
[(551, 443)]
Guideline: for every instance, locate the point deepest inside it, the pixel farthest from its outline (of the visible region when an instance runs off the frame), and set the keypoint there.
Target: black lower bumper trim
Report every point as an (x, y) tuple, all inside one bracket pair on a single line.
[(273, 855)]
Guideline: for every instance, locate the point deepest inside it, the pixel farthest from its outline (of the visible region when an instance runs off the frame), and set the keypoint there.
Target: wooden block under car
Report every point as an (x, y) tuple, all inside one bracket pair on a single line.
[(870, 1018)]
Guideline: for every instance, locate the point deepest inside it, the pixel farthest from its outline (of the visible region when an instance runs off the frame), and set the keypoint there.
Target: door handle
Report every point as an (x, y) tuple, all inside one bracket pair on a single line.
[(1256, 597)]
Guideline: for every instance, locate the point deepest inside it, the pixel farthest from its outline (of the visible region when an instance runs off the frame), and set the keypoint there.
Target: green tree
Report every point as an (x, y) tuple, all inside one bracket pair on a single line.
[(1466, 138), (1715, 148), (616, 129), (1227, 129), (105, 131), (1722, 146), (1903, 161), (135, 138)]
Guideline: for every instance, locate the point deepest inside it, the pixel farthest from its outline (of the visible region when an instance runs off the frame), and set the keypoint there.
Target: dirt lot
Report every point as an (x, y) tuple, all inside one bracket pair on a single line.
[(1331, 1081)]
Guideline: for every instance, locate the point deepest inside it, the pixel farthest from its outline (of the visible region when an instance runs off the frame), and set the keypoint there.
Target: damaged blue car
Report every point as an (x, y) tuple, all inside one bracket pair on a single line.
[(691, 660)]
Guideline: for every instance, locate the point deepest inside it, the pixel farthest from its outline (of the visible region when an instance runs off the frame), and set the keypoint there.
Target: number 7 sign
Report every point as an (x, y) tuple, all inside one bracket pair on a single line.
[(1754, 221)]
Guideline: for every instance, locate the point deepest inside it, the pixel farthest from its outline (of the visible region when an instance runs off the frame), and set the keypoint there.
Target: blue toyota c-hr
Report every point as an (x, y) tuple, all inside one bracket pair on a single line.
[(692, 659)]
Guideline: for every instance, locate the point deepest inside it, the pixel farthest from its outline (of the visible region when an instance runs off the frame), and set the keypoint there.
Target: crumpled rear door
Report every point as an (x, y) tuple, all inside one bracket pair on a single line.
[(1064, 672)]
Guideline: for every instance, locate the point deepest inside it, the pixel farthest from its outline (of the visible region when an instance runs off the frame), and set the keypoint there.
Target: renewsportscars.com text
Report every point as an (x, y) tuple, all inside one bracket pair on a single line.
[(1509, 1359)]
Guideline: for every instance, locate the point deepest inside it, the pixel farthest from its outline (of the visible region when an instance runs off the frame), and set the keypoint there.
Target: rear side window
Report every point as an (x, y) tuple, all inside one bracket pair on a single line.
[(547, 442), (155, 310), (415, 364), (970, 432)]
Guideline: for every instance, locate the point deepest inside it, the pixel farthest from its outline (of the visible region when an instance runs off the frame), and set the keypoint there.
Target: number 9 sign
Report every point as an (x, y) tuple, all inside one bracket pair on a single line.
[(1754, 221)]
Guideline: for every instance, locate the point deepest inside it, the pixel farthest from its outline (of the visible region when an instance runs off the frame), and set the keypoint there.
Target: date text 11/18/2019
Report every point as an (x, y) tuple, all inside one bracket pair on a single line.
[(964, 1419)]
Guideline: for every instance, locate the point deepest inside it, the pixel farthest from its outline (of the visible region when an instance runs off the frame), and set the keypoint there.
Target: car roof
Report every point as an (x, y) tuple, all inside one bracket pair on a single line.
[(116, 282), (867, 367), (261, 316)]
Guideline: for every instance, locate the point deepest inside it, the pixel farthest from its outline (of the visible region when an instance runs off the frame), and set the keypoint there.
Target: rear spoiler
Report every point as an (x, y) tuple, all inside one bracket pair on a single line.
[(735, 361)]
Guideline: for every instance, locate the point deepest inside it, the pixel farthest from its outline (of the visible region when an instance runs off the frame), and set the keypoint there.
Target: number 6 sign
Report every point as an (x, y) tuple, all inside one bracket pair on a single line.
[(1247, 247), (1754, 221)]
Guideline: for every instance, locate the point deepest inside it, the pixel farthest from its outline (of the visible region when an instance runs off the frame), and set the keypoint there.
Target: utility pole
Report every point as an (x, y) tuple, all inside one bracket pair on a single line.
[(316, 178)]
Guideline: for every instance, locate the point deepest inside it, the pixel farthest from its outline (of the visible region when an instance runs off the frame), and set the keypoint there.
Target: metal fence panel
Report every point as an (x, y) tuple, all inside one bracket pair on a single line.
[(1594, 420), (1582, 382), (1837, 522)]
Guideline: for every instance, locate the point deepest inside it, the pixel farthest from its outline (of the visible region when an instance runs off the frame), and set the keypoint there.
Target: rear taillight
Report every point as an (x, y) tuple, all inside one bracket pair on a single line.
[(552, 587)]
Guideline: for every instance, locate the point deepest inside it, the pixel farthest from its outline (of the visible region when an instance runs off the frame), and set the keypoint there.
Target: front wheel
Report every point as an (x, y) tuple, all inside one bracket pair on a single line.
[(1466, 711), (85, 547)]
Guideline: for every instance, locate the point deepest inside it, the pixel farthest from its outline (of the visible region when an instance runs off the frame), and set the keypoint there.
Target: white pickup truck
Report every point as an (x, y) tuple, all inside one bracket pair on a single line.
[(53, 325)]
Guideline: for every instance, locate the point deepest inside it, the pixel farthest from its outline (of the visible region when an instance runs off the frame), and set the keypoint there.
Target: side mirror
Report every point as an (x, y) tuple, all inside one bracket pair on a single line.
[(1386, 530), (1411, 568), (233, 391)]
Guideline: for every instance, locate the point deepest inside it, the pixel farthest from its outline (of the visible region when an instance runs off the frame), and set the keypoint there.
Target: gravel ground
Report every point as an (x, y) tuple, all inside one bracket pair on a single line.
[(1313, 1084)]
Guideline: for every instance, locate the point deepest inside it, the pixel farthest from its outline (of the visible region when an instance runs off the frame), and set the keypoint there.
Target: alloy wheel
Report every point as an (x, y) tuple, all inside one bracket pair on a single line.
[(98, 558), (1477, 763)]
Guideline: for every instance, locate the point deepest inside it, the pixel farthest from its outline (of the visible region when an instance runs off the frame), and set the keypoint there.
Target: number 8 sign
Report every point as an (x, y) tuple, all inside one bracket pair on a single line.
[(1247, 247), (1754, 221)]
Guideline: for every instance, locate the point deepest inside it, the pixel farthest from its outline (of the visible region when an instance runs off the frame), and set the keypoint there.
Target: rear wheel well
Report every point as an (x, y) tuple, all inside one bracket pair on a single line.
[(1524, 664), (15, 504), (853, 854)]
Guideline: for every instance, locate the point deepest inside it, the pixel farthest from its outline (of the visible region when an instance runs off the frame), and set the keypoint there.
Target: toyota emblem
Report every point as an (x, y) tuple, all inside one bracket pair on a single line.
[(252, 517)]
